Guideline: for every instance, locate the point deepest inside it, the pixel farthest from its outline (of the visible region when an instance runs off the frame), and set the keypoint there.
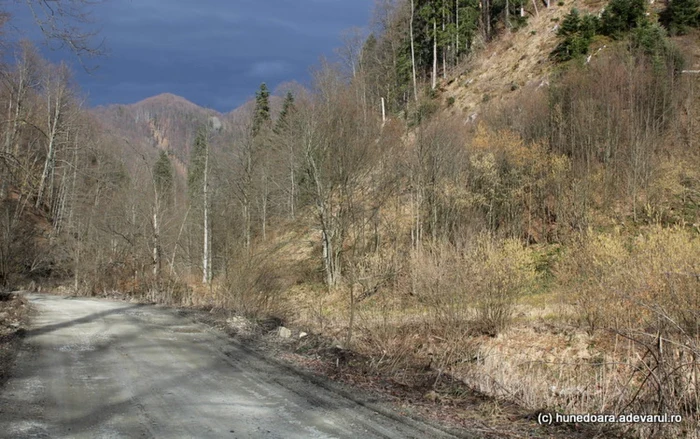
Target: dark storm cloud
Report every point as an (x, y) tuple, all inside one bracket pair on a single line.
[(213, 52)]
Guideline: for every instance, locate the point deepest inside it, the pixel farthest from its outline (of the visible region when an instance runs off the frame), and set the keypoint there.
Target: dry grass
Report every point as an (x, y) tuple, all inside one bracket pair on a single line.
[(511, 62), (567, 348)]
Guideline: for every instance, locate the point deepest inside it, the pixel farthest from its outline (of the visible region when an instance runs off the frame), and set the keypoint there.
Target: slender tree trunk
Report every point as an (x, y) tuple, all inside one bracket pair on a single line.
[(457, 33), (351, 321), (60, 206), (292, 183), (507, 15), (487, 18), (73, 183), (383, 112), (444, 51), (49, 162), (177, 242), (246, 220), (206, 256), (265, 196), (156, 239), (328, 258), (413, 54), (246, 197), (434, 84), (534, 3)]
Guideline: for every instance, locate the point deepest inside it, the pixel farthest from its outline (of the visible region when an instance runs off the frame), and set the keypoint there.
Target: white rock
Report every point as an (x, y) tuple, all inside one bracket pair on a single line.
[(302, 334), (284, 332)]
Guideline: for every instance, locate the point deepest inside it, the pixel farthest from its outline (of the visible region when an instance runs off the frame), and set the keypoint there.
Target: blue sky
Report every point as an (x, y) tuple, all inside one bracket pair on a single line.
[(212, 52)]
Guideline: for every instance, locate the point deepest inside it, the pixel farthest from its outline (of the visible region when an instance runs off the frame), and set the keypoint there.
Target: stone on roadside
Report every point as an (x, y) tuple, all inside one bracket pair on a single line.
[(236, 321), (284, 332), (303, 334)]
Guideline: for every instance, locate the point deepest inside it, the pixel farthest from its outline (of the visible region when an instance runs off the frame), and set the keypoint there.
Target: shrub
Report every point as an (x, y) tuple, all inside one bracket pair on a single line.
[(507, 272), (475, 288), (653, 278), (586, 273), (423, 111), (253, 284)]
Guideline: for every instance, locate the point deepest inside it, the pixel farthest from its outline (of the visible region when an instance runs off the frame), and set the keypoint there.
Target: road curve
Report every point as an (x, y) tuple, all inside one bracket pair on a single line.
[(100, 369)]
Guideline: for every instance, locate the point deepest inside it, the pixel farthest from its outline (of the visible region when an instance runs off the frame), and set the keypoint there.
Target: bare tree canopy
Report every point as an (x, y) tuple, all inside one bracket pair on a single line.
[(68, 24)]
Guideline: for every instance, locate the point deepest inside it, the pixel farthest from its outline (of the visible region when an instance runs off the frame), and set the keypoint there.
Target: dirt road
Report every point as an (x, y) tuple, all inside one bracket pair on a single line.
[(101, 369)]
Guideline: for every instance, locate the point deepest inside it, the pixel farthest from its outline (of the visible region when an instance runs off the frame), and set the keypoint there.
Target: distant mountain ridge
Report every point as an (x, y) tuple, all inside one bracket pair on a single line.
[(164, 122), (170, 122)]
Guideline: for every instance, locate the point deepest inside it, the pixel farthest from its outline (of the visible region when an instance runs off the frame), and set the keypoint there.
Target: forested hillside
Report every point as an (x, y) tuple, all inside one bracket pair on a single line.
[(499, 194)]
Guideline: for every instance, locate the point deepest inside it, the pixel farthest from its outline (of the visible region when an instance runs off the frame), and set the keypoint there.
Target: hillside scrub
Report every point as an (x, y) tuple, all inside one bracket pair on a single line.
[(473, 289), (643, 291)]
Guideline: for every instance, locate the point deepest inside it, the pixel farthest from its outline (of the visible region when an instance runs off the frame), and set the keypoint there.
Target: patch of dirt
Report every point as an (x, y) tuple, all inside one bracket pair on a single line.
[(14, 318)]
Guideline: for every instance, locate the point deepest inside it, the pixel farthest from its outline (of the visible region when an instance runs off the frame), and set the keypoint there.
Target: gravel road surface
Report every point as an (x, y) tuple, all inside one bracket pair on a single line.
[(100, 369)]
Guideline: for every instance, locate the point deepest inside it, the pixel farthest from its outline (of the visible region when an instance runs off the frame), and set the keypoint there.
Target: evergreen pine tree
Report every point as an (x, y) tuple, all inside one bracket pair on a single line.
[(287, 108), (262, 109), (195, 173), (570, 25), (621, 16), (589, 28), (680, 15), (576, 33), (163, 177)]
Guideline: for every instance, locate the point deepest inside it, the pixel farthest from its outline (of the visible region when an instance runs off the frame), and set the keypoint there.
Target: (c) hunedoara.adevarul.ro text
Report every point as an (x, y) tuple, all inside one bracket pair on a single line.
[(559, 418)]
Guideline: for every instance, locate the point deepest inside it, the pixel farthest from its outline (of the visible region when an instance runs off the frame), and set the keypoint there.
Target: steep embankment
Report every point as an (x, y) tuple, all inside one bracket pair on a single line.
[(514, 60)]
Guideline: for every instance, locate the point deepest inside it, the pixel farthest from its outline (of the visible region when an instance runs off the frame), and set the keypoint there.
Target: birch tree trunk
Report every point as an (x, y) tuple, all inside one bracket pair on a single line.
[(457, 32), (53, 122), (206, 254), (292, 181), (156, 238), (444, 52), (434, 84)]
